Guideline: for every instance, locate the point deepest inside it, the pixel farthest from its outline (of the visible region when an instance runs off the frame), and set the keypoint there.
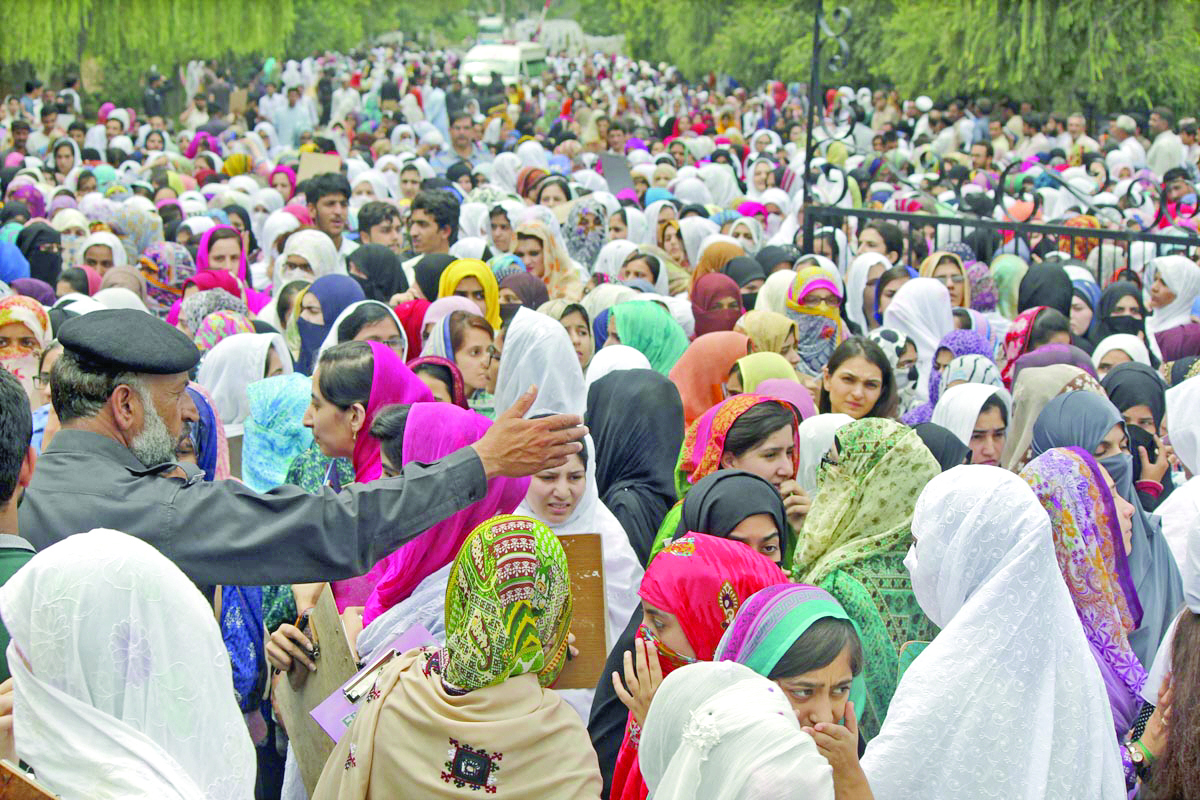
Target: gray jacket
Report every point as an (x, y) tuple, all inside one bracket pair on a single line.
[(221, 532)]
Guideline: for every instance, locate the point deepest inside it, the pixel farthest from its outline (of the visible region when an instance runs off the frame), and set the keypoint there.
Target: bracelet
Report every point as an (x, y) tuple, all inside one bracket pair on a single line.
[(1149, 758)]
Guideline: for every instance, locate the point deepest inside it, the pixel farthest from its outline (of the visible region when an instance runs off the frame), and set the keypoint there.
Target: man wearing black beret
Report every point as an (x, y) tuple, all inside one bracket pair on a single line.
[(119, 392)]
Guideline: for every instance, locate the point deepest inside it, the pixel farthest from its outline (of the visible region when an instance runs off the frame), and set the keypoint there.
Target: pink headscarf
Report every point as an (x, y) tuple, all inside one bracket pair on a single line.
[(793, 392), (434, 431), (255, 300), (391, 382), (291, 176)]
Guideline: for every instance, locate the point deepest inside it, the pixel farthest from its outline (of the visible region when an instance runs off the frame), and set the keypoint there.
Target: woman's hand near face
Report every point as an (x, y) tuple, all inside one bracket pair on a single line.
[(796, 503), (643, 680), (839, 745)]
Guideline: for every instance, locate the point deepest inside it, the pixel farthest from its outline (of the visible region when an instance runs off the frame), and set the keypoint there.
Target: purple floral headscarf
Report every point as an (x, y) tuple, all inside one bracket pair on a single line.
[(960, 342), (1091, 556)]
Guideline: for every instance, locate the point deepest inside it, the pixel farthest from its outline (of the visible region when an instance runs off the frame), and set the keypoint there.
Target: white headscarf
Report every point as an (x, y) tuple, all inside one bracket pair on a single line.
[(721, 182), (720, 730), (612, 256), (332, 339), (635, 222), (1182, 276), (1180, 512), (754, 227), (118, 297), (1011, 674), (816, 438), (270, 201), (856, 284), (504, 172), (1132, 346), (958, 408), (693, 231), (314, 247), (773, 294), (612, 358), (233, 364), (555, 370), (110, 241), (474, 220), (114, 702), (650, 235), (921, 310)]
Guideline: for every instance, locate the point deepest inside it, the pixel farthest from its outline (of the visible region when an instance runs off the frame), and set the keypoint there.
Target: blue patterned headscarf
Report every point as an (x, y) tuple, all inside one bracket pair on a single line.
[(275, 433)]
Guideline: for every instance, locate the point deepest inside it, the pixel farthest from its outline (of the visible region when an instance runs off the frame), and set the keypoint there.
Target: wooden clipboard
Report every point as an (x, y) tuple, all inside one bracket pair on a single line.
[(589, 619), (335, 664), (17, 784)]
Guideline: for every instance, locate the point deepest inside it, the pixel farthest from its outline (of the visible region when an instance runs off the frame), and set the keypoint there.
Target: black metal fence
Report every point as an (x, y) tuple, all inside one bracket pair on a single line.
[(1109, 249)]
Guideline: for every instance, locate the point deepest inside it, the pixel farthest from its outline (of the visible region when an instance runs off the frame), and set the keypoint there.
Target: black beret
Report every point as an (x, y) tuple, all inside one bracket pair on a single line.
[(129, 340)]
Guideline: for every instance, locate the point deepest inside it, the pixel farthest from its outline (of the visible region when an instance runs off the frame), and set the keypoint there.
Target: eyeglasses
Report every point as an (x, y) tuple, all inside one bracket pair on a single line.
[(41, 380), (493, 354), (828, 461), (395, 343), (952, 279)]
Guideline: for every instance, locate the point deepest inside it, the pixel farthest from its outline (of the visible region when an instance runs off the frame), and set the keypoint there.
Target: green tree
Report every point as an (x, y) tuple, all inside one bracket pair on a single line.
[(1107, 53)]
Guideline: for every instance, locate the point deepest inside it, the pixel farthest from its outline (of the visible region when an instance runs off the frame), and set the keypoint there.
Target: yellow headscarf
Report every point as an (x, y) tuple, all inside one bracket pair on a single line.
[(453, 275), (767, 330), (237, 164)]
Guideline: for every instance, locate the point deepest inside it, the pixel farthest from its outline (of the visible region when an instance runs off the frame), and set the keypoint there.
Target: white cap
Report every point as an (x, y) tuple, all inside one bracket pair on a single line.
[(924, 104)]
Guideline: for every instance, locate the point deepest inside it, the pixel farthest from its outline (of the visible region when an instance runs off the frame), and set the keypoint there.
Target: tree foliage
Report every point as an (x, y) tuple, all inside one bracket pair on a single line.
[(1107, 53)]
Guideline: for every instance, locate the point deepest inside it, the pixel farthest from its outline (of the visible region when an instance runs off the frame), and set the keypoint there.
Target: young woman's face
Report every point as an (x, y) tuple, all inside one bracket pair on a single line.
[(1081, 316), (383, 331), (225, 255), (99, 258), (673, 245), (952, 277), (1115, 442), (552, 195), (310, 309), (854, 387), (472, 290), (988, 438), (1140, 416), (554, 494), (581, 337), (1110, 360), (473, 359), (889, 292), (64, 159), (743, 235), (1161, 295), (1125, 511), (665, 627), (614, 338), (274, 364), (617, 228), (334, 429), (636, 269), (440, 391), (86, 184), (529, 250), (280, 184), (771, 459), (761, 171), (1127, 306), (820, 696), (760, 534)]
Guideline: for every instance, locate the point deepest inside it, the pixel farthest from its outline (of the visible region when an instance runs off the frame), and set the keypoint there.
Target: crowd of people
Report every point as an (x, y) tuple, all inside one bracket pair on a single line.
[(910, 515)]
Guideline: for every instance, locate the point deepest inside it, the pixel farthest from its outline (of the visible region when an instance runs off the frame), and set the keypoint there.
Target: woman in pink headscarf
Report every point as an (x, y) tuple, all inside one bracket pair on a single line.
[(221, 248), (352, 383), (426, 433)]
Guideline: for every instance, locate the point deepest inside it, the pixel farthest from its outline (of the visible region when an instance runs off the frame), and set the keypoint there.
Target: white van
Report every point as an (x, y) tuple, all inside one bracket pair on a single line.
[(515, 62)]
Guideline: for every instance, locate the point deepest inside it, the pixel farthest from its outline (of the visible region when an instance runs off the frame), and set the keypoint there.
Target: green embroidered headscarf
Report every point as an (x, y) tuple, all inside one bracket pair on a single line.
[(508, 605), (864, 503)]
